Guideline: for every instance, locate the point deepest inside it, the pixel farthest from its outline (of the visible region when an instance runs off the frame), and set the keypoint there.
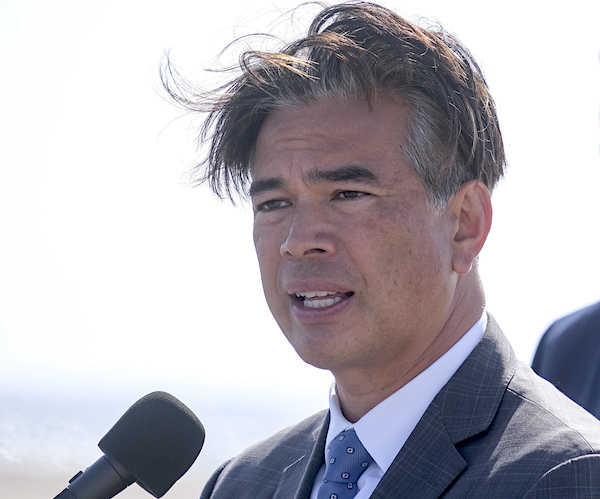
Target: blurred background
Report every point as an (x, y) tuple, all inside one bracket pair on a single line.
[(118, 279)]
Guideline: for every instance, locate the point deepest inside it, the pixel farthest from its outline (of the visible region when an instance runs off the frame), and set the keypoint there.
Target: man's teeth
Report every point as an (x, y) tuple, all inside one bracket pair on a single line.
[(314, 294), (310, 302), (321, 303)]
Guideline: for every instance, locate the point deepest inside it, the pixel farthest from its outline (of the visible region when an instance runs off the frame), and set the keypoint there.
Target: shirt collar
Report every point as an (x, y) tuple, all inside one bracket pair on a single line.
[(401, 411)]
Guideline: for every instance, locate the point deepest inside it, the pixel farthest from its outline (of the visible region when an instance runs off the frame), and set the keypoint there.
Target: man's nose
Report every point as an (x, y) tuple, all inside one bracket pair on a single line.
[(310, 233)]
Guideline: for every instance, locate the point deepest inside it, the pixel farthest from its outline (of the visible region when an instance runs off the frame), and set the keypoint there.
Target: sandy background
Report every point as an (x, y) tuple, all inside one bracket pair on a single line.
[(47, 434)]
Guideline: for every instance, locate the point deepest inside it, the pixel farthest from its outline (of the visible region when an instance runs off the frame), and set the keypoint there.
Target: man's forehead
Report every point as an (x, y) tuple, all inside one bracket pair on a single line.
[(330, 141), (327, 122)]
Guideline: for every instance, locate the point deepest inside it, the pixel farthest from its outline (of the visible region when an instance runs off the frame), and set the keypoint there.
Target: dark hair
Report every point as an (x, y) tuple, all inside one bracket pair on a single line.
[(353, 50)]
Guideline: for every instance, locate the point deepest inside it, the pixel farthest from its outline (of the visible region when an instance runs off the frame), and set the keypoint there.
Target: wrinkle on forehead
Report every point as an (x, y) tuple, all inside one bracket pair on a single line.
[(280, 128)]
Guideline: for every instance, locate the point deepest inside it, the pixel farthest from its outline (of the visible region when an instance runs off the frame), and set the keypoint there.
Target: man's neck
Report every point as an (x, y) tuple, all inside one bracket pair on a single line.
[(360, 391)]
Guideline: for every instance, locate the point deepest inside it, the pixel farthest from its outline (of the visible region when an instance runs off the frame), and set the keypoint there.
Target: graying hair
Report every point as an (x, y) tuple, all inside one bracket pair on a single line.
[(353, 50)]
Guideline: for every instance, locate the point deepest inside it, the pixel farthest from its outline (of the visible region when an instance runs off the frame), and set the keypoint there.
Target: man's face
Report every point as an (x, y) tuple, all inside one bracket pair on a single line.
[(356, 266)]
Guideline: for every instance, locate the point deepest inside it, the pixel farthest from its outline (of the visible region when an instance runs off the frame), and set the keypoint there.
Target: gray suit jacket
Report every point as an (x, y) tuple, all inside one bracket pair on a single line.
[(496, 430)]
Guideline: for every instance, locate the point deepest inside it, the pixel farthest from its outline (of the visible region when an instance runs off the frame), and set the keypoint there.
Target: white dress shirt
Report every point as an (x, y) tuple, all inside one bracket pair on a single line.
[(399, 413)]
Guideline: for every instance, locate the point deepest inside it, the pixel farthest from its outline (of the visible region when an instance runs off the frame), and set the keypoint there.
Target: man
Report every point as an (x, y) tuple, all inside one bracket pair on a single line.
[(369, 149), (569, 356)]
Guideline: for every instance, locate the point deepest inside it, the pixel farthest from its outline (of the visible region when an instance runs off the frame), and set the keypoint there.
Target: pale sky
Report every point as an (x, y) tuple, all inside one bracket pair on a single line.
[(111, 269)]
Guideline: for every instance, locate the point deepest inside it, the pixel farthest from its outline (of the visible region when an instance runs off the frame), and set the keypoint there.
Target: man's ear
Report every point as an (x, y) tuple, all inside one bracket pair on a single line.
[(472, 207)]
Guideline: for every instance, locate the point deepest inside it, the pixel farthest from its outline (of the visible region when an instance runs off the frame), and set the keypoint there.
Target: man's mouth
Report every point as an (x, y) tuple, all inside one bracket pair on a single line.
[(322, 299)]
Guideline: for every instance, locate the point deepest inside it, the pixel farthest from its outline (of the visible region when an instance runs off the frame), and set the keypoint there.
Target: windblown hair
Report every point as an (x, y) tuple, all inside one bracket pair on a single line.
[(356, 50)]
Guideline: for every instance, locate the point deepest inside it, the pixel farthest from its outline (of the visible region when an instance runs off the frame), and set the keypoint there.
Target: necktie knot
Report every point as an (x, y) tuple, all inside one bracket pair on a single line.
[(346, 460)]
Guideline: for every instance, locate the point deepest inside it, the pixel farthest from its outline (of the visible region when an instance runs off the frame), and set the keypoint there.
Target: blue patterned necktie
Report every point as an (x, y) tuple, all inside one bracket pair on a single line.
[(345, 460)]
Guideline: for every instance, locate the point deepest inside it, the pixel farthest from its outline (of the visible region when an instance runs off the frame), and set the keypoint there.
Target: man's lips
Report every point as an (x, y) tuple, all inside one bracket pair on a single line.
[(321, 299)]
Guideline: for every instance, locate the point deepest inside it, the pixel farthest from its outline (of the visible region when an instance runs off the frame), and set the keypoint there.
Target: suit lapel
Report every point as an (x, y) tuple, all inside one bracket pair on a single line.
[(298, 478), (425, 466), (429, 461)]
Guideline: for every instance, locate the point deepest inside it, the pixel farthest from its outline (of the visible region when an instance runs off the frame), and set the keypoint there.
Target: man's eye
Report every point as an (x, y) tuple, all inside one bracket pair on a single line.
[(271, 205), (350, 194)]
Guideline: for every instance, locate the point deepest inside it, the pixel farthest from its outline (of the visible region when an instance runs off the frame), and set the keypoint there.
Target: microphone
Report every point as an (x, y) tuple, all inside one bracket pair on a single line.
[(154, 443)]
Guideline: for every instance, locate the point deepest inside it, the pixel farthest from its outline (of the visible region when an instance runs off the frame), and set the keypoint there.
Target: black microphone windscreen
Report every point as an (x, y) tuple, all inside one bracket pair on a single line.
[(157, 440)]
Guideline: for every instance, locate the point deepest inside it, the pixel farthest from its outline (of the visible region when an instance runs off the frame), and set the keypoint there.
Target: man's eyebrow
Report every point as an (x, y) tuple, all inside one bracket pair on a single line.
[(264, 185), (342, 174)]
